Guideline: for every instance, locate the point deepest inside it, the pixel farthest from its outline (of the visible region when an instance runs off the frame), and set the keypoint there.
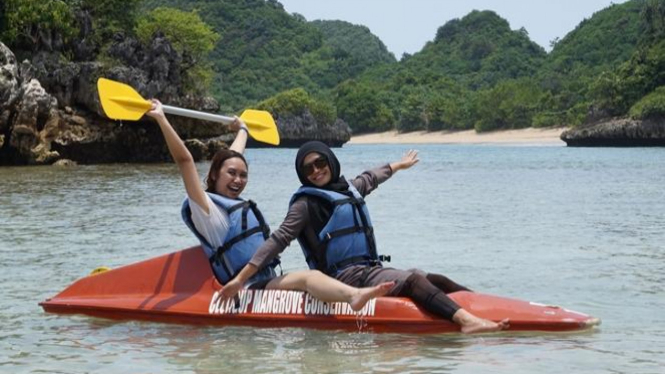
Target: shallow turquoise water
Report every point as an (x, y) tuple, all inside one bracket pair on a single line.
[(581, 228)]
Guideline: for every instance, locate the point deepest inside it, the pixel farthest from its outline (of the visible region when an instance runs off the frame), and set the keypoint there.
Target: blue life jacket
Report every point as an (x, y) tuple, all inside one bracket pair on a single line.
[(347, 238), (247, 231)]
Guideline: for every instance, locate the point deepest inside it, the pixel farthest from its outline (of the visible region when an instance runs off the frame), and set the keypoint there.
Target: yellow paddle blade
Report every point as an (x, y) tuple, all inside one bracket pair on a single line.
[(261, 126), (121, 101)]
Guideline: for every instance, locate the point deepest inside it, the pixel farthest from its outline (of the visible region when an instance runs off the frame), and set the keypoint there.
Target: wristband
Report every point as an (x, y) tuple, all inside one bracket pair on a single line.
[(244, 128)]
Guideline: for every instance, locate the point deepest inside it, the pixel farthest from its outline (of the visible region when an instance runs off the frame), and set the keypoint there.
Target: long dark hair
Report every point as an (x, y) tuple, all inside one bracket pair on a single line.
[(216, 165)]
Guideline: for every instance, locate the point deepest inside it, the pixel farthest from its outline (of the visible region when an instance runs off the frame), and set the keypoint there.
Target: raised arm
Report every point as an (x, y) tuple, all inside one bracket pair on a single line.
[(184, 159), (240, 141), (181, 156), (369, 180)]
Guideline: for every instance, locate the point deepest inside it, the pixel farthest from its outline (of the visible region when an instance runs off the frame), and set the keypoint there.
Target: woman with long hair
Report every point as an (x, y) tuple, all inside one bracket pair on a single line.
[(231, 229)]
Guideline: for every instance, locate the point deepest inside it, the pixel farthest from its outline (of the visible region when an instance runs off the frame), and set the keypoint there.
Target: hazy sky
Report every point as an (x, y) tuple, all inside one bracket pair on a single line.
[(406, 25)]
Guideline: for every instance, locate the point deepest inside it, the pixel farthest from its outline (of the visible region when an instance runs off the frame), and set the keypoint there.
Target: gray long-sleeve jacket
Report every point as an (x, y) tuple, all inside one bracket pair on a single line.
[(297, 218)]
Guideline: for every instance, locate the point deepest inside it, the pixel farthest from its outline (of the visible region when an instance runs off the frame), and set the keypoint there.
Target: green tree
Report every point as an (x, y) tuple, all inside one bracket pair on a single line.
[(186, 31), (445, 111), (650, 106), (508, 105), (189, 35), (362, 108), (615, 92), (347, 51), (653, 17), (34, 24), (580, 69), (295, 102), (110, 17), (413, 115)]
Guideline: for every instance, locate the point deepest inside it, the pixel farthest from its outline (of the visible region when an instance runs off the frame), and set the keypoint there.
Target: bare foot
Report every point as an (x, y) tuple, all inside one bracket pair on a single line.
[(484, 325), (365, 294), (472, 325)]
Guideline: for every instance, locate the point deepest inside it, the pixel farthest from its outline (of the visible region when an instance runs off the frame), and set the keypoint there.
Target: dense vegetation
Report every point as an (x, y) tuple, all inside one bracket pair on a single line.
[(84, 29), (636, 86), (36, 25), (475, 73), (263, 50)]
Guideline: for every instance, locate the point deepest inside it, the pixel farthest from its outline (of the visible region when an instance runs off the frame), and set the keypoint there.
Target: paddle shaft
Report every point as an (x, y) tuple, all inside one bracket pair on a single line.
[(198, 115)]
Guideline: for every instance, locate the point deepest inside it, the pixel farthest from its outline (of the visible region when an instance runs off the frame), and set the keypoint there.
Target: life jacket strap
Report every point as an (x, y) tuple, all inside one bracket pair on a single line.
[(238, 238), (218, 258), (349, 230), (259, 216), (243, 205), (348, 200)]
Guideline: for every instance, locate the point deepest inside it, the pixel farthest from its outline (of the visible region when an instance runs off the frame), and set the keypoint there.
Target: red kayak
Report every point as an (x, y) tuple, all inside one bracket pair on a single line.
[(180, 287)]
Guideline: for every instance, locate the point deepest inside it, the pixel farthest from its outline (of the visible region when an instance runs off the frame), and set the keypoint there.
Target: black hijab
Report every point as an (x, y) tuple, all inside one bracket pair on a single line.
[(319, 209), (337, 182)]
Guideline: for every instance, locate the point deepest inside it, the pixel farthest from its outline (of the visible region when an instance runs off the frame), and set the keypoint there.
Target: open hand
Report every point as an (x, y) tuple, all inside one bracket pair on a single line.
[(409, 159)]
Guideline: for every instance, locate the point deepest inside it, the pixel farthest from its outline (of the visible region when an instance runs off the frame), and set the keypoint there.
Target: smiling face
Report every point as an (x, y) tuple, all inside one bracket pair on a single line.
[(232, 178), (316, 167)]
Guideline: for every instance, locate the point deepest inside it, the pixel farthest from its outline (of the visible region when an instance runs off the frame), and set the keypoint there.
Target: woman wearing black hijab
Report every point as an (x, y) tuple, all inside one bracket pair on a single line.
[(329, 218)]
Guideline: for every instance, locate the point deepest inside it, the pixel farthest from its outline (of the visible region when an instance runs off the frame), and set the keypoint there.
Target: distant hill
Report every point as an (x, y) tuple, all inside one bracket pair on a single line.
[(347, 51), (475, 73), (264, 50), (260, 50), (436, 87), (478, 50), (599, 43)]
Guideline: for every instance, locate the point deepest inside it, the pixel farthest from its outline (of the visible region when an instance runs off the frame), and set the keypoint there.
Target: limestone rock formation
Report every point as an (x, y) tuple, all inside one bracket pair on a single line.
[(296, 130), (50, 109), (618, 132)]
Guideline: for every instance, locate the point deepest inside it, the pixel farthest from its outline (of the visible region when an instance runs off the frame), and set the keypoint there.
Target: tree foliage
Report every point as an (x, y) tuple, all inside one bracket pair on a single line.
[(650, 106), (511, 104), (347, 51), (296, 102), (616, 91), (110, 16), (478, 51), (188, 34), (476, 73), (359, 105), (33, 24)]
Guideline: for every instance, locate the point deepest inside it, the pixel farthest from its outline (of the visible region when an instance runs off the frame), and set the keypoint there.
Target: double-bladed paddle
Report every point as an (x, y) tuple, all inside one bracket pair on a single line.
[(122, 102)]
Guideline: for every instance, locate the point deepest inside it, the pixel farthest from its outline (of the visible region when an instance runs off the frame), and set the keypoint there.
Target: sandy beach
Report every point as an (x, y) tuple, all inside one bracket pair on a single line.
[(548, 136)]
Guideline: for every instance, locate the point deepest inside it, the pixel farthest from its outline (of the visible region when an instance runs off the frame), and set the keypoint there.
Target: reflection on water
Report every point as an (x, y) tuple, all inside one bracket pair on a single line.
[(580, 228)]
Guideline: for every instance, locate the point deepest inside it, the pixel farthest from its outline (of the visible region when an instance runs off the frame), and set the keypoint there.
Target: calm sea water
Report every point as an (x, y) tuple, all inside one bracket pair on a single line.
[(580, 228)]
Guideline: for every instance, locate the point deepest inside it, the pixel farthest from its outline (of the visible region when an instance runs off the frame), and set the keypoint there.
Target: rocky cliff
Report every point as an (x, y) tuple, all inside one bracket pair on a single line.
[(296, 130), (50, 109), (618, 132)]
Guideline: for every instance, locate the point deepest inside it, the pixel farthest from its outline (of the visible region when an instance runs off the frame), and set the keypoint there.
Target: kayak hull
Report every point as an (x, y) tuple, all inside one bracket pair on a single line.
[(181, 288)]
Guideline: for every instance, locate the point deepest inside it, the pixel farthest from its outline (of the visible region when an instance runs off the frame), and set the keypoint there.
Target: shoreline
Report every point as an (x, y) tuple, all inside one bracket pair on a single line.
[(528, 136)]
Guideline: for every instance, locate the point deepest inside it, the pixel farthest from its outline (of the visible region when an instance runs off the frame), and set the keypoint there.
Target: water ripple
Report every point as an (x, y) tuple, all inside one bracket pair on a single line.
[(581, 228)]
